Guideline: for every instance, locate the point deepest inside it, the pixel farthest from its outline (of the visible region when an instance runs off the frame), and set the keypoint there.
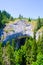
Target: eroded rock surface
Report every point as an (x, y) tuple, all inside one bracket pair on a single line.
[(17, 29)]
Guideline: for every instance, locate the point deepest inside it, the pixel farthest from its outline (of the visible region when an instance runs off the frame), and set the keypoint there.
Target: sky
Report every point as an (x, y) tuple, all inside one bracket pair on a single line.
[(27, 8)]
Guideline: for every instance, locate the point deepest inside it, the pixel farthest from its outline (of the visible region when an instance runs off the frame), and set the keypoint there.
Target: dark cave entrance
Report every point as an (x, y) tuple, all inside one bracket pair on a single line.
[(20, 42)]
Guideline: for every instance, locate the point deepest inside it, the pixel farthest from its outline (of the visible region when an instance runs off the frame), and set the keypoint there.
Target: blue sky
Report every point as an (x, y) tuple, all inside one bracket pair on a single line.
[(27, 8)]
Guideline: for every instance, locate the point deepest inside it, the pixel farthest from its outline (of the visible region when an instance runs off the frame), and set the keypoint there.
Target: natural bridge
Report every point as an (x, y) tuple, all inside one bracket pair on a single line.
[(17, 30)]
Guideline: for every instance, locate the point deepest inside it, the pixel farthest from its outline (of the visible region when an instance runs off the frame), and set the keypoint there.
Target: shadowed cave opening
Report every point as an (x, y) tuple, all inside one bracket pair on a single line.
[(20, 42)]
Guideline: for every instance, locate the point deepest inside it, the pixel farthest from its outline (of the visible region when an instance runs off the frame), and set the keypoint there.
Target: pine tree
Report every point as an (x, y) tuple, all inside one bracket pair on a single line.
[(40, 44), (13, 44), (34, 47), (38, 23), (28, 44), (1, 59), (29, 19), (0, 19), (10, 53)]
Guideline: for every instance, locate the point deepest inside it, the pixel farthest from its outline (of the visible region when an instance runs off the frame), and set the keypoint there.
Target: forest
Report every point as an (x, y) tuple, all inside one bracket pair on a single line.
[(30, 53), (5, 17)]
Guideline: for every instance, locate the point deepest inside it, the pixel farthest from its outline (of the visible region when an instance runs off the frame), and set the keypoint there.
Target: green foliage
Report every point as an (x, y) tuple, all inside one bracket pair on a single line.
[(20, 16), (0, 20), (29, 19), (18, 57), (4, 18), (5, 14), (10, 53), (1, 54), (31, 53), (38, 23), (13, 44), (39, 60), (40, 44)]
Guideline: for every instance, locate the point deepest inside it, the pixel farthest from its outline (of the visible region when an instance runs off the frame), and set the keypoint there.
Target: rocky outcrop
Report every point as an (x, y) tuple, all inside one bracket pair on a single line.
[(17, 29)]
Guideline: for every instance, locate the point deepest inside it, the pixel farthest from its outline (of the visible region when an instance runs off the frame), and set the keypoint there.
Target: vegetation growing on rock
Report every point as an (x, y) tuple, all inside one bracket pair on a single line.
[(29, 53)]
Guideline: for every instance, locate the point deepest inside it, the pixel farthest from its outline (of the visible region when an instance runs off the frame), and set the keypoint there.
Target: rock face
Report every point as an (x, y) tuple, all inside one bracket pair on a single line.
[(17, 29), (20, 28)]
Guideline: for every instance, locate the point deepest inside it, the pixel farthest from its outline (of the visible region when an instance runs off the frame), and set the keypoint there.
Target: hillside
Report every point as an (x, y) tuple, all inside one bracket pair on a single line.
[(21, 40)]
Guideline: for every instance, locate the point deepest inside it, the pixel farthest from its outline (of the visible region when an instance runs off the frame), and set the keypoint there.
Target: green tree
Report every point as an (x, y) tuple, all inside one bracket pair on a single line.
[(38, 23), (4, 18), (13, 44), (0, 19), (1, 59), (34, 48), (40, 44), (10, 53), (20, 16), (5, 14), (29, 19), (39, 60), (18, 57)]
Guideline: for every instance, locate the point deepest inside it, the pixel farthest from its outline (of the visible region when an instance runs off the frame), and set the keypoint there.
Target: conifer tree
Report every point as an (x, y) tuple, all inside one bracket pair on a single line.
[(10, 53), (38, 23), (1, 59), (13, 44), (34, 47)]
